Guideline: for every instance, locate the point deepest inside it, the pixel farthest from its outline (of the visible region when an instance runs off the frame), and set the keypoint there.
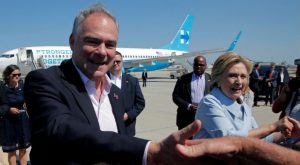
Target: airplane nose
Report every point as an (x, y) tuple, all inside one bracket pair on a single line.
[(2, 64)]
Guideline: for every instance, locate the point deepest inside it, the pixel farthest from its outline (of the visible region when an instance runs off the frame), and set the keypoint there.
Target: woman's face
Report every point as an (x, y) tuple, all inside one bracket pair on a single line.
[(15, 76), (234, 80)]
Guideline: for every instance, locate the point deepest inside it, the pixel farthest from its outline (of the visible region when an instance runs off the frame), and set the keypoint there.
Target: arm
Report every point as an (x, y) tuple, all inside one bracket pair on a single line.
[(217, 123), (3, 102), (14, 110), (274, 76), (230, 149), (139, 101), (254, 76), (282, 100), (166, 152), (178, 94), (283, 125), (296, 130)]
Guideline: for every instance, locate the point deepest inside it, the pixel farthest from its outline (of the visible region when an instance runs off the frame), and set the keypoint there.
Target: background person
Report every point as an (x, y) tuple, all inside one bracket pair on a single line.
[(144, 77), (288, 102), (3, 110), (16, 121), (271, 84), (223, 112), (255, 79), (67, 127), (131, 93), (189, 90), (282, 80)]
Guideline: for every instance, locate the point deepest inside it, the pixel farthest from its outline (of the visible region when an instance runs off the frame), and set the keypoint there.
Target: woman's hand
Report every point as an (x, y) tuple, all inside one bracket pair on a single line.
[(296, 129), (14, 111), (285, 126)]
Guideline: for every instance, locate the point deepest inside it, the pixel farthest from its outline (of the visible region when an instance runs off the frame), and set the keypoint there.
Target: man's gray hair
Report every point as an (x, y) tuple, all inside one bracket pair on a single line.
[(96, 8)]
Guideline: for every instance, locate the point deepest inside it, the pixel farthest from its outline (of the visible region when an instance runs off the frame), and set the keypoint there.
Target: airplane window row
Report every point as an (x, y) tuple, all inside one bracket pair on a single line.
[(7, 55), (69, 56), (139, 56), (56, 56)]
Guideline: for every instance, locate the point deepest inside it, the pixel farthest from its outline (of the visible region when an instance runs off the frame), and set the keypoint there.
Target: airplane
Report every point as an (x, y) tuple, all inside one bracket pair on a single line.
[(135, 59), (188, 64), (233, 44), (175, 53)]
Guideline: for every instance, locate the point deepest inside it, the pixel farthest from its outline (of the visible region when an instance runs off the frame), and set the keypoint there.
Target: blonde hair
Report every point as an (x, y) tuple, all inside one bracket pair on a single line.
[(225, 61)]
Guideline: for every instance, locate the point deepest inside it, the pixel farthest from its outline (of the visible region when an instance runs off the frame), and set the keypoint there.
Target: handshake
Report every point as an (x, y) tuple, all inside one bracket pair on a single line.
[(228, 149)]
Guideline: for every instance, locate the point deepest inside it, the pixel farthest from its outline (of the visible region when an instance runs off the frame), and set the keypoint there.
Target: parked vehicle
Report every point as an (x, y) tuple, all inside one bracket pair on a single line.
[(178, 73)]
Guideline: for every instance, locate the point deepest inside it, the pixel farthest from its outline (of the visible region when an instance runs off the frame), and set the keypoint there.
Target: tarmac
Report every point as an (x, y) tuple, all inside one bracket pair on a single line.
[(158, 119)]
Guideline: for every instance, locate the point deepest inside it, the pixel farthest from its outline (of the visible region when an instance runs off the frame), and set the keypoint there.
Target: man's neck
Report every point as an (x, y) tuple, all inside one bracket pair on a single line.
[(117, 73), (100, 85), (198, 74)]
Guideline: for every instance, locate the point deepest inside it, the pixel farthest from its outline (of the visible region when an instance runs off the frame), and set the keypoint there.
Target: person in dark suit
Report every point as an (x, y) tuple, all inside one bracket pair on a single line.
[(76, 113), (271, 82), (282, 80), (189, 90), (4, 108), (255, 78), (144, 77), (131, 93)]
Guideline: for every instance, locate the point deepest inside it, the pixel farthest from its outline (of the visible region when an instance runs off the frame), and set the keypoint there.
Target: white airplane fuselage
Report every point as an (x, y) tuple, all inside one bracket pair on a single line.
[(54, 55)]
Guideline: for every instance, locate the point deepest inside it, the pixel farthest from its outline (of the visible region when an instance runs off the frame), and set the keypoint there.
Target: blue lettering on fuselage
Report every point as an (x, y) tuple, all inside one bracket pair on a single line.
[(53, 61), (53, 52)]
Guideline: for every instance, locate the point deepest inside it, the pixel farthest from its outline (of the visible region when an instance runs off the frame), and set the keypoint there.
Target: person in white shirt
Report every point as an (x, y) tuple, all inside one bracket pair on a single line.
[(68, 105), (131, 93)]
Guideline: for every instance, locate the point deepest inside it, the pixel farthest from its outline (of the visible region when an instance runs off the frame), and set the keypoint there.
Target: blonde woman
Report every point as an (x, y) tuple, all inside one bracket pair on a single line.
[(223, 112)]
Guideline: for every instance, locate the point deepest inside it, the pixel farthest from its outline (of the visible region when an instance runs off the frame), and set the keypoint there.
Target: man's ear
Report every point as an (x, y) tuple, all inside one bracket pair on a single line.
[(71, 41)]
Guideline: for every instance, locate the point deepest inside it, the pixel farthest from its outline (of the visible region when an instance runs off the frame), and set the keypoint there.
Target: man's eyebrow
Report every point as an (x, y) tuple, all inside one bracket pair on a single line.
[(112, 42), (89, 38)]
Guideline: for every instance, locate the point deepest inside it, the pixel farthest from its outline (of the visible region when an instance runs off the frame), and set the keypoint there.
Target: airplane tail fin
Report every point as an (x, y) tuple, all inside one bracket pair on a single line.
[(233, 44), (181, 40)]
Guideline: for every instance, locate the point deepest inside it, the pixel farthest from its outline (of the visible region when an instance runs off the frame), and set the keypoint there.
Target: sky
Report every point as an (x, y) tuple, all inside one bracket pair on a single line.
[(270, 28)]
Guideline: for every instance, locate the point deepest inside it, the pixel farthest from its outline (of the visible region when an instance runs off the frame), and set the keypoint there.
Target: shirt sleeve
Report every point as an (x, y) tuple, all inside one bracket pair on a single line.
[(146, 153), (268, 138)]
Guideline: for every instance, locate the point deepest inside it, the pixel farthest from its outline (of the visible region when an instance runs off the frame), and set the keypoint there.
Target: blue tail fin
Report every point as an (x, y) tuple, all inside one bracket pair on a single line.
[(233, 44), (182, 38)]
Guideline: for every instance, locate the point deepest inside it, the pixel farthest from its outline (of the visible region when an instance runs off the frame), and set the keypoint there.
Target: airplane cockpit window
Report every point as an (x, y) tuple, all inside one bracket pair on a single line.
[(7, 55)]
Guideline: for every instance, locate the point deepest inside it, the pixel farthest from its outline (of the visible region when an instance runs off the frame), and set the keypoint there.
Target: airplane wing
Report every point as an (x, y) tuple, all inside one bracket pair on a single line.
[(184, 56), (180, 59), (173, 59)]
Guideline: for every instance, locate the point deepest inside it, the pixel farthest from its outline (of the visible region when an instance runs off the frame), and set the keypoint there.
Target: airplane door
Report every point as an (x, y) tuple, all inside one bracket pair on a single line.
[(29, 55), (22, 54)]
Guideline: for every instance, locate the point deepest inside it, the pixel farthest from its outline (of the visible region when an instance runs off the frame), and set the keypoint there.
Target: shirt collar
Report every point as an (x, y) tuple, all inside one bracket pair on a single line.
[(231, 105), (85, 79), (112, 77), (196, 76)]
